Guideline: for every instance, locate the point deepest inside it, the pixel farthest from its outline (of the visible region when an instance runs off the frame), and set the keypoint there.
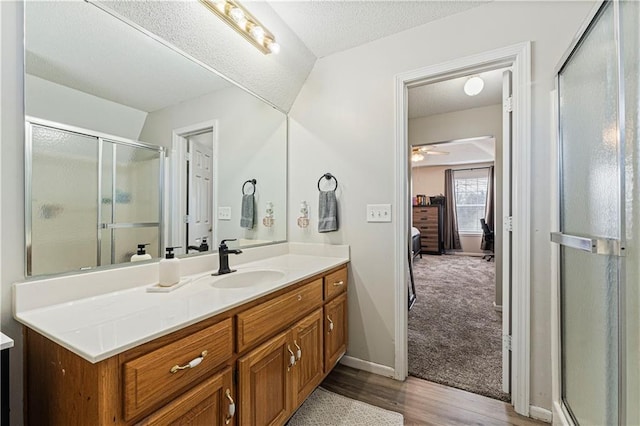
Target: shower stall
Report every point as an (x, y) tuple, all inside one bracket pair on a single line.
[(91, 198)]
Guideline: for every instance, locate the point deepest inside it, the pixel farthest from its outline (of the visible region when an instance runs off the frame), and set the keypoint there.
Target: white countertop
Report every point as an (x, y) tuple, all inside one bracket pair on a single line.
[(101, 326), (5, 342)]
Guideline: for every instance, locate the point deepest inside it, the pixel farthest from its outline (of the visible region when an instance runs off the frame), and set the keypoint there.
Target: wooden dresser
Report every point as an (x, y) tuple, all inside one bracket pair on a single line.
[(429, 220)]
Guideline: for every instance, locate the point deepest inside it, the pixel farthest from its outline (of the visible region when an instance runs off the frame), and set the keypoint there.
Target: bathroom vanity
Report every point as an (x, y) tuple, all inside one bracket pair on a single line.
[(252, 360)]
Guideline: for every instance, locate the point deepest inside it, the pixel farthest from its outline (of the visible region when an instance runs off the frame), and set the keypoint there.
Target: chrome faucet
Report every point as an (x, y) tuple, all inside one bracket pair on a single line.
[(223, 253)]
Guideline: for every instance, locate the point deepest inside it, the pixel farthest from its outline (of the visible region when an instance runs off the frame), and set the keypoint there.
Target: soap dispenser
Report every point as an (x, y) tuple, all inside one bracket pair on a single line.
[(169, 269), (142, 254)]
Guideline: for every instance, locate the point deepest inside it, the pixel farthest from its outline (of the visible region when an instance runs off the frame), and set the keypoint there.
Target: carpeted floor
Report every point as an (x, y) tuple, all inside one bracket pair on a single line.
[(454, 331)]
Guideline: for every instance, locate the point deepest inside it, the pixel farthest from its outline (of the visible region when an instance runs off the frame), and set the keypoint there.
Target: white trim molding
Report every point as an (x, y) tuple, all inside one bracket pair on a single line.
[(517, 56), (540, 413), (371, 367)]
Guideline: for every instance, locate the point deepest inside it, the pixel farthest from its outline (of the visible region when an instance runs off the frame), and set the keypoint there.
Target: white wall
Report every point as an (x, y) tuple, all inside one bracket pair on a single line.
[(62, 104), (429, 181), (12, 184), (251, 139), (343, 122)]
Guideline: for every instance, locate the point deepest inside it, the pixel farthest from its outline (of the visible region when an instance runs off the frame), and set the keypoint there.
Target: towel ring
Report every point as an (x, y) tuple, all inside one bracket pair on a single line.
[(327, 176), (252, 182)]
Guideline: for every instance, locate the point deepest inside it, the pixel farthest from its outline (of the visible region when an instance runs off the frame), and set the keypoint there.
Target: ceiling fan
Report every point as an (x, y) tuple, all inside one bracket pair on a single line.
[(418, 152)]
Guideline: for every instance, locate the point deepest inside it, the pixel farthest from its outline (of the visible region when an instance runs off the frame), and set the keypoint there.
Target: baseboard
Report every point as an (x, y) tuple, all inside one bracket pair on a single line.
[(466, 253), (371, 367), (539, 413), (497, 307)]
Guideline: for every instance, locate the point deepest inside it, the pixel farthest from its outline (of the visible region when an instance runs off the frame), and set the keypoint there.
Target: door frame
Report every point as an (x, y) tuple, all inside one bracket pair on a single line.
[(560, 414), (518, 57), (177, 206)]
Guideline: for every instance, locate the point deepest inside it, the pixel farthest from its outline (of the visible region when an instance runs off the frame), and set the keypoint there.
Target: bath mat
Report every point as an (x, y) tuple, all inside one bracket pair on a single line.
[(324, 408)]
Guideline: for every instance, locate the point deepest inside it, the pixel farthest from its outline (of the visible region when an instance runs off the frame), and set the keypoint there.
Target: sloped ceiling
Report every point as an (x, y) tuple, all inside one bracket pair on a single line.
[(306, 30)]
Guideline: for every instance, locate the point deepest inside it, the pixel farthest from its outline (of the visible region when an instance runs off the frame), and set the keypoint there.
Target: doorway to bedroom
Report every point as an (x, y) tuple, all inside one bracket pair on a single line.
[(457, 170)]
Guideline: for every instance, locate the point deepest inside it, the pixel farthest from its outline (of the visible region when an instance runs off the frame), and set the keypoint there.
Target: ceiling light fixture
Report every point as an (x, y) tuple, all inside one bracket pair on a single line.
[(416, 156), (473, 86), (238, 18)]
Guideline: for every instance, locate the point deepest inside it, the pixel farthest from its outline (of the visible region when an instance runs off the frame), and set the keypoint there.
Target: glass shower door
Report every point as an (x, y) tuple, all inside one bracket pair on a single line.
[(591, 225)]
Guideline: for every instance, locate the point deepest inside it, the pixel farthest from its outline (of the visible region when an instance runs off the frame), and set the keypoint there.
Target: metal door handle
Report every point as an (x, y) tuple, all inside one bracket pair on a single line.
[(603, 246)]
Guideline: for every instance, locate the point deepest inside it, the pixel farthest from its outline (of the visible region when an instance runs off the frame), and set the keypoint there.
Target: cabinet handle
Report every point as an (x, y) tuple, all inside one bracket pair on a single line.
[(232, 407), (299, 297), (330, 324), (299, 351), (338, 284), (192, 364), (292, 358)]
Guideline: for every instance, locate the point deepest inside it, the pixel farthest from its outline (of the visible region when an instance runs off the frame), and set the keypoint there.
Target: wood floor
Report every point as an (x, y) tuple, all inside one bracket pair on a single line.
[(422, 402)]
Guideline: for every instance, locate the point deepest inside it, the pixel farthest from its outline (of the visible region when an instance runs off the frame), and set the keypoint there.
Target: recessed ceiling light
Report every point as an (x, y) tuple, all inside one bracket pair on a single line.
[(473, 86)]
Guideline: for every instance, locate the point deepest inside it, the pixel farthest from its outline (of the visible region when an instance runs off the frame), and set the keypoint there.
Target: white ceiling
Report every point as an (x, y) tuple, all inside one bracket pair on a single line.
[(327, 27), (448, 96), (75, 44), (463, 151)]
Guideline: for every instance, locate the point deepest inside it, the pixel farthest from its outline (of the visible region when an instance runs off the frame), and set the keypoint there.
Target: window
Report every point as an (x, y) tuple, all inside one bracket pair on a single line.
[(471, 198)]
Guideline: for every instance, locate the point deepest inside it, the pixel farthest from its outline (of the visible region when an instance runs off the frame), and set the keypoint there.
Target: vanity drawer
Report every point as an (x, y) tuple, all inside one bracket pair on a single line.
[(148, 379), (264, 320), (335, 283)]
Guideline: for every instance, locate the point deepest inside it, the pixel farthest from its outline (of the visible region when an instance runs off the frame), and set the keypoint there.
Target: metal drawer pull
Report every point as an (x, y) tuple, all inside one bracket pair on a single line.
[(330, 324), (299, 351), (292, 358), (299, 297), (192, 364), (338, 284), (232, 407)]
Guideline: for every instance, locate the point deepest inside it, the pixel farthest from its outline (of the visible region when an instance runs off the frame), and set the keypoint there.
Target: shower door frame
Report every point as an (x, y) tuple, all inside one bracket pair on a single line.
[(100, 226), (560, 412)]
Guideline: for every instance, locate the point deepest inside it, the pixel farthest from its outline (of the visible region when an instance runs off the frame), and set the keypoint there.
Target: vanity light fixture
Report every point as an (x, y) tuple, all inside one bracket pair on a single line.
[(238, 18), (473, 86)]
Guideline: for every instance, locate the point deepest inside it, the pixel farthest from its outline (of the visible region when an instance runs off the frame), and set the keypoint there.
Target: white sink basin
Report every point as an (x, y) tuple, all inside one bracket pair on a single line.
[(251, 278)]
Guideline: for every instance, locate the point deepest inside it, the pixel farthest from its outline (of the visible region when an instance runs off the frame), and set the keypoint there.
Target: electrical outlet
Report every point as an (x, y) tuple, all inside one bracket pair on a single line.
[(224, 213), (378, 212)]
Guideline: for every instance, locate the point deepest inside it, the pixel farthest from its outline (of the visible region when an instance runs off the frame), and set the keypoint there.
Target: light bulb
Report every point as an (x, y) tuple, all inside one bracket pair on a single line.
[(238, 17), (473, 86), (257, 33), (221, 5), (273, 46), (415, 157)]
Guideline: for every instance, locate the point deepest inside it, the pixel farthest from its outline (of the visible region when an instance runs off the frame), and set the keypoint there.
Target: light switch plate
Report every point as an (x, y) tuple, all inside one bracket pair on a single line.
[(224, 213), (378, 212)]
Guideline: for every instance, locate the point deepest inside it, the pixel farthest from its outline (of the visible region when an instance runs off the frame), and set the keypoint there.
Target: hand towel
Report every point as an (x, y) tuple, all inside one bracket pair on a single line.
[(327, 212), (248, 211)]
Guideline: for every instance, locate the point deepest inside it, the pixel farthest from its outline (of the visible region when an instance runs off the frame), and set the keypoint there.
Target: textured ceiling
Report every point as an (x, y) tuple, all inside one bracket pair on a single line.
[(328, 27), (466, 151), (76, 44), (448, 96), (191, 27)]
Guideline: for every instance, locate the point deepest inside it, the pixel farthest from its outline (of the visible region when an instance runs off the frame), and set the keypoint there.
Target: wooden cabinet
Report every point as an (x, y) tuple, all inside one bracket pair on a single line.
[(209, 403), (277, 349), (308, 345), (276, 377), (429, 220), (265, 382), (335, 331)]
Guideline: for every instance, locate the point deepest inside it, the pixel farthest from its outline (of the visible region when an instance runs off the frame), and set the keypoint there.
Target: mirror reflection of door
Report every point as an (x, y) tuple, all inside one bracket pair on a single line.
[(199, 224)]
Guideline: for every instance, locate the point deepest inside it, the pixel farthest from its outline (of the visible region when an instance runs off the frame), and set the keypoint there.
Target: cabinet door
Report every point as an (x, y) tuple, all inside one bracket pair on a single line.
[(307, 342), (209, 403), (265, 382), (335, 331)]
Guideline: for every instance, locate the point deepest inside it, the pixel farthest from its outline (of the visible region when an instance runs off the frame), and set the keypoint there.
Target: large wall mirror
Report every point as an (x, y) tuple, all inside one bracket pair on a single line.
[(130, 142)]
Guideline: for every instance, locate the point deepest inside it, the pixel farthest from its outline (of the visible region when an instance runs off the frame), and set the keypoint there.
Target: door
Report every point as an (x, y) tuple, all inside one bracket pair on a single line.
[(503, 258), (265, 383), (335, 331), (210, 403), (592, 234), (307, 342), (200, 190)]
